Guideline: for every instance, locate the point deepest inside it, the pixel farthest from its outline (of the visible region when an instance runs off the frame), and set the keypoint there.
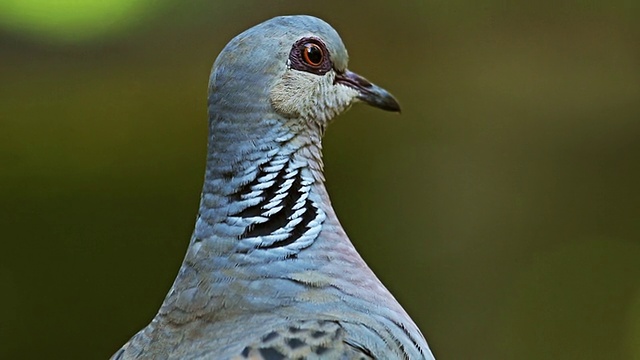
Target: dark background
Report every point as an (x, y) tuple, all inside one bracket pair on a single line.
[(501, 208)]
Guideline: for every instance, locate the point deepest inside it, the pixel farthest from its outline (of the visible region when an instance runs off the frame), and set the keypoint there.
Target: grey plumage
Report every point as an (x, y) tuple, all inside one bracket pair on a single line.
[(269, 272)]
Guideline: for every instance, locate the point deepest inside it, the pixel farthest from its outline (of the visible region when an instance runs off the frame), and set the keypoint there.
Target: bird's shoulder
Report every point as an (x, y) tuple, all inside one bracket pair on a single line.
[(293, 339), (310, 339)]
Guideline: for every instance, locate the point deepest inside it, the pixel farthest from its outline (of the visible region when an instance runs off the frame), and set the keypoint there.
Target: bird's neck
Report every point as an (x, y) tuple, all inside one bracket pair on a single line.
[(263, 198)]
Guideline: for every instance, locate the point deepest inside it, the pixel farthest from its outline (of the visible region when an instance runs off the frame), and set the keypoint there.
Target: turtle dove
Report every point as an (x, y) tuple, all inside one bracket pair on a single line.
[(269, 272)]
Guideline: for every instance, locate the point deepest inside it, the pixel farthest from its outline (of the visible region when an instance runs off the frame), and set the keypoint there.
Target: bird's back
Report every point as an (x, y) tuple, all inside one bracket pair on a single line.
[(337, 311), (271, 338)]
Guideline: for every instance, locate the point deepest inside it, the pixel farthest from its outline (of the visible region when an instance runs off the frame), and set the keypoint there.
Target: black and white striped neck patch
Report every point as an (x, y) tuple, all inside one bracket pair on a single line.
[(281, 215)]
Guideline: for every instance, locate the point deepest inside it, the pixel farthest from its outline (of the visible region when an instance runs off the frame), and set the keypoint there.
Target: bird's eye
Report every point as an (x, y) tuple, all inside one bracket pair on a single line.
[(309, 54), (312, 54)]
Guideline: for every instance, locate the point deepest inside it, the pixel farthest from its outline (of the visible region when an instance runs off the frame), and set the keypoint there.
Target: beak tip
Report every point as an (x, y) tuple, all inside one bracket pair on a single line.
[(386, 102), (395, 107)]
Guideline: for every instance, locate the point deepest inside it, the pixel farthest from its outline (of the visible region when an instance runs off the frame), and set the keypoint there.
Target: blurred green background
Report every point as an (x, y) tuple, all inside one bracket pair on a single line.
[(501, 208)]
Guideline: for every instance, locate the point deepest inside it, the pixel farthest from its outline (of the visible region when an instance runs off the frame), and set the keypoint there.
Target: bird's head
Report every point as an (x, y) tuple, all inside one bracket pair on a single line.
[(296, 66)]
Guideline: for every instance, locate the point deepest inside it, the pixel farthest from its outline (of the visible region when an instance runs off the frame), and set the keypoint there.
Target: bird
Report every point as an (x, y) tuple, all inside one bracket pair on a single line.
[(269, 271)]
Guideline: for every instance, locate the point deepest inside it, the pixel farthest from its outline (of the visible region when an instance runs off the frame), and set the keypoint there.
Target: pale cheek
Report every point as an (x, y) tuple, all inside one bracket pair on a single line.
[(344, 96), (290, 95), (306, 96), (328, 101)]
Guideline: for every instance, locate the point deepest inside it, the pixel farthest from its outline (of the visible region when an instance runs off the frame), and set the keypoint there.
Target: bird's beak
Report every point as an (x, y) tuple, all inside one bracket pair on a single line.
[(368, 92)]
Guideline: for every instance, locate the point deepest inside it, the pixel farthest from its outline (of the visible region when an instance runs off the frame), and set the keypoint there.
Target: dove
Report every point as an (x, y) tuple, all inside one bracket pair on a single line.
[(269, 272)]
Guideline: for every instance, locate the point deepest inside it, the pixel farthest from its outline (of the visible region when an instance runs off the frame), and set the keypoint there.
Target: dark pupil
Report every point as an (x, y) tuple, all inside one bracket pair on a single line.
[(314, 54)]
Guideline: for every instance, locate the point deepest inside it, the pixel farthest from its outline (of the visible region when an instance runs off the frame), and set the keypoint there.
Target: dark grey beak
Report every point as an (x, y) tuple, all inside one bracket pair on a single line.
[(368, 92)]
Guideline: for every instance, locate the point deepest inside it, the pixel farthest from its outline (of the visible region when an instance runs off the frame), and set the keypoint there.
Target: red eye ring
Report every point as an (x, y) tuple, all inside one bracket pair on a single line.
[(312, 54)]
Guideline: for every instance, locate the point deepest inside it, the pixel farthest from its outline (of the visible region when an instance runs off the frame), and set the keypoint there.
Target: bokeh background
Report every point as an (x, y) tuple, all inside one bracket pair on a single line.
[(502, 207)]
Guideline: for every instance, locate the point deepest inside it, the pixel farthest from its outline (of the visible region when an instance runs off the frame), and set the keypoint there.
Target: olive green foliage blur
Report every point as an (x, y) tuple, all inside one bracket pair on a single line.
[(502, 207)]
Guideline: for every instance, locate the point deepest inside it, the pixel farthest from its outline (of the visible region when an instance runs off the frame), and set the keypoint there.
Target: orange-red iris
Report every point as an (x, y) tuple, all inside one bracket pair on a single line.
[(312, 54)]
